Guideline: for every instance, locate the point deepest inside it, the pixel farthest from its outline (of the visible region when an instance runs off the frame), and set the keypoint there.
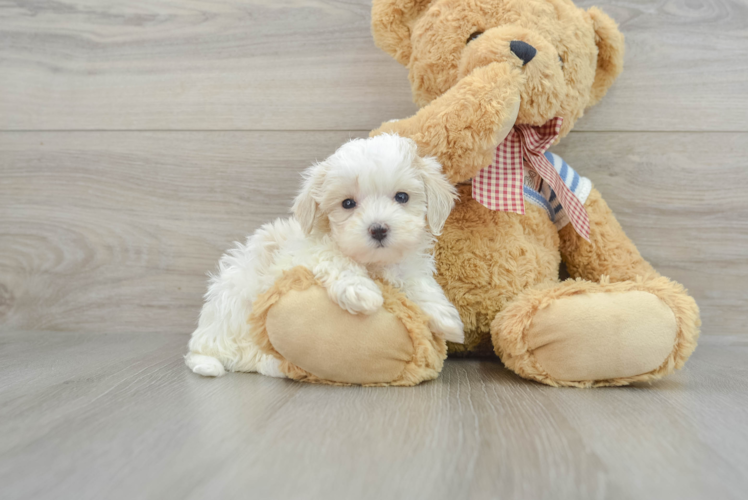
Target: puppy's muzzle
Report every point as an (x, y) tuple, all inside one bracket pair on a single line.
[(378, 232)]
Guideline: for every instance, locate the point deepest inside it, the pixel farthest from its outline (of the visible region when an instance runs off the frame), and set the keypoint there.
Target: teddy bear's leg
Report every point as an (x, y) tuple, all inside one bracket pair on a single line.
[(611, 255), (608, 253), (617, 323), (582, 333), (315, 340)]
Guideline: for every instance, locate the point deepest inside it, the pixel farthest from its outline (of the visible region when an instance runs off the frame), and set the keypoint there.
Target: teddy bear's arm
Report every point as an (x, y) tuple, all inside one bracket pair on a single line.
[(462, 127), (609, 252)]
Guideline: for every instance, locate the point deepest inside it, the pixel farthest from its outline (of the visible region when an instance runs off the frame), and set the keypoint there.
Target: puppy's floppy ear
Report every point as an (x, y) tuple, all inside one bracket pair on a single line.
[(440, 193), (305, 206)]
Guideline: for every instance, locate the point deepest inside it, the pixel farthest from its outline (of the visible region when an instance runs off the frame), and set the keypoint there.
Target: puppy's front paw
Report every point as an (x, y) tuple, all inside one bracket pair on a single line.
[(358, 296), (446, 322)]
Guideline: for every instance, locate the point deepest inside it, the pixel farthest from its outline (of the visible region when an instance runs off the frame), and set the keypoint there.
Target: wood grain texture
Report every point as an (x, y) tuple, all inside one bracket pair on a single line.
[(295, 65), (87, 416), (115, 231)]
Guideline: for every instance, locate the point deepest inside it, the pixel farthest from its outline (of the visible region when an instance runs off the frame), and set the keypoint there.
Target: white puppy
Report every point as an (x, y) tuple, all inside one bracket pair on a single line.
[(369, 210)]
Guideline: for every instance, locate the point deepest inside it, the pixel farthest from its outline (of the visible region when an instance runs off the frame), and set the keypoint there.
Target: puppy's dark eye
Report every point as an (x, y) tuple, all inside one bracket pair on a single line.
[(348, 203), (473, 36), (561, 60), (402, 197)]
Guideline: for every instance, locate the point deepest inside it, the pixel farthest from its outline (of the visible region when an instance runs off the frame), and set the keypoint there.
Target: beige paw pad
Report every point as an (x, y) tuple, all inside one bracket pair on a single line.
[(317, 341), (315, 334), (602, 336)]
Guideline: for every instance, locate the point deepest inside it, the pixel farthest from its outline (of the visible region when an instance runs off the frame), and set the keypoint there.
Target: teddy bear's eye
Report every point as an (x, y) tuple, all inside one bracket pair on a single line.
[(561, 60), (348, 203), (473, 36), (402, 197)]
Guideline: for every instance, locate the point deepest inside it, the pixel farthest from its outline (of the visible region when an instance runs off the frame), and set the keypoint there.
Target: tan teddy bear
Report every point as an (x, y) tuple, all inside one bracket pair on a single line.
[(498, 81)]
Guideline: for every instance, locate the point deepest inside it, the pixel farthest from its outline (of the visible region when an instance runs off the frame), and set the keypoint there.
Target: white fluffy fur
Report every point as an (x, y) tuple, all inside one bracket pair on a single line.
[(335, 244)]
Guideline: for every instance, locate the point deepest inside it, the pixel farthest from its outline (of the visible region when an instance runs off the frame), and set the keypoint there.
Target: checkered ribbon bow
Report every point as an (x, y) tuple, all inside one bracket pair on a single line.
[(500, 185)]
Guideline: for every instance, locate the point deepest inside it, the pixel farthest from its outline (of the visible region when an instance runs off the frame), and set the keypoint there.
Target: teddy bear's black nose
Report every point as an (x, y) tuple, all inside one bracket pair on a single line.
[(523, 50)]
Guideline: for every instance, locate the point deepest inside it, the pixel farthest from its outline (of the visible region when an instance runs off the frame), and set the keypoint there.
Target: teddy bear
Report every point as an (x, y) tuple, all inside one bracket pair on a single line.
[(498, 82)]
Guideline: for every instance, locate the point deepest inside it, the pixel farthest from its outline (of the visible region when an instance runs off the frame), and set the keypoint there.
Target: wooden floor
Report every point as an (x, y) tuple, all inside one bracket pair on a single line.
[(117, 416), (140, 138)]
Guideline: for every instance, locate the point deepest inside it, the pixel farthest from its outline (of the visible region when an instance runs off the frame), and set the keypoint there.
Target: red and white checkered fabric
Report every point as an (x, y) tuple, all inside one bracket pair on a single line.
[(500, 185)]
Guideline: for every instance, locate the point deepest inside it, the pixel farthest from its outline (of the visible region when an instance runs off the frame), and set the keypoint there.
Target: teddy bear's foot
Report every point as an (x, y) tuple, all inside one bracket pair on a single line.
[(316, 340), (584, 334)]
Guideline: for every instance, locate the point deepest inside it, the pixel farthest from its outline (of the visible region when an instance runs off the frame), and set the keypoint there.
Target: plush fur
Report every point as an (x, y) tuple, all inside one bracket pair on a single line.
[(332, 234), (428, 351), (499, 268)]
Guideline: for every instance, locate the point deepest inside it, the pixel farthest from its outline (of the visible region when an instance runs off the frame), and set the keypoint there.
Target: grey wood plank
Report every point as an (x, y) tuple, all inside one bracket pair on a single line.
[(134, 220), (674, 51), (170, 64), (293, 65), (119, 416), (115, 232)]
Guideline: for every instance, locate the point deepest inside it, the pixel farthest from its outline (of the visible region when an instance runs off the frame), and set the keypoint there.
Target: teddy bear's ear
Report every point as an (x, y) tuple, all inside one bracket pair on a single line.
[(610, 49), (391, 21)]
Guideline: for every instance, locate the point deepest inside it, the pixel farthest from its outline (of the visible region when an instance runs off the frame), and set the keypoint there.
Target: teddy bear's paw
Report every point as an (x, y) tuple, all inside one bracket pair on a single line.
[(357, 295), (328, 344), (446, 323), (582, 333)]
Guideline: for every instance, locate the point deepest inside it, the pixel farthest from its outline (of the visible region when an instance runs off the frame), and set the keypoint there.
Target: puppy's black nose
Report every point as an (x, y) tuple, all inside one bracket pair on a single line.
[(523, 50), (378, 232)]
